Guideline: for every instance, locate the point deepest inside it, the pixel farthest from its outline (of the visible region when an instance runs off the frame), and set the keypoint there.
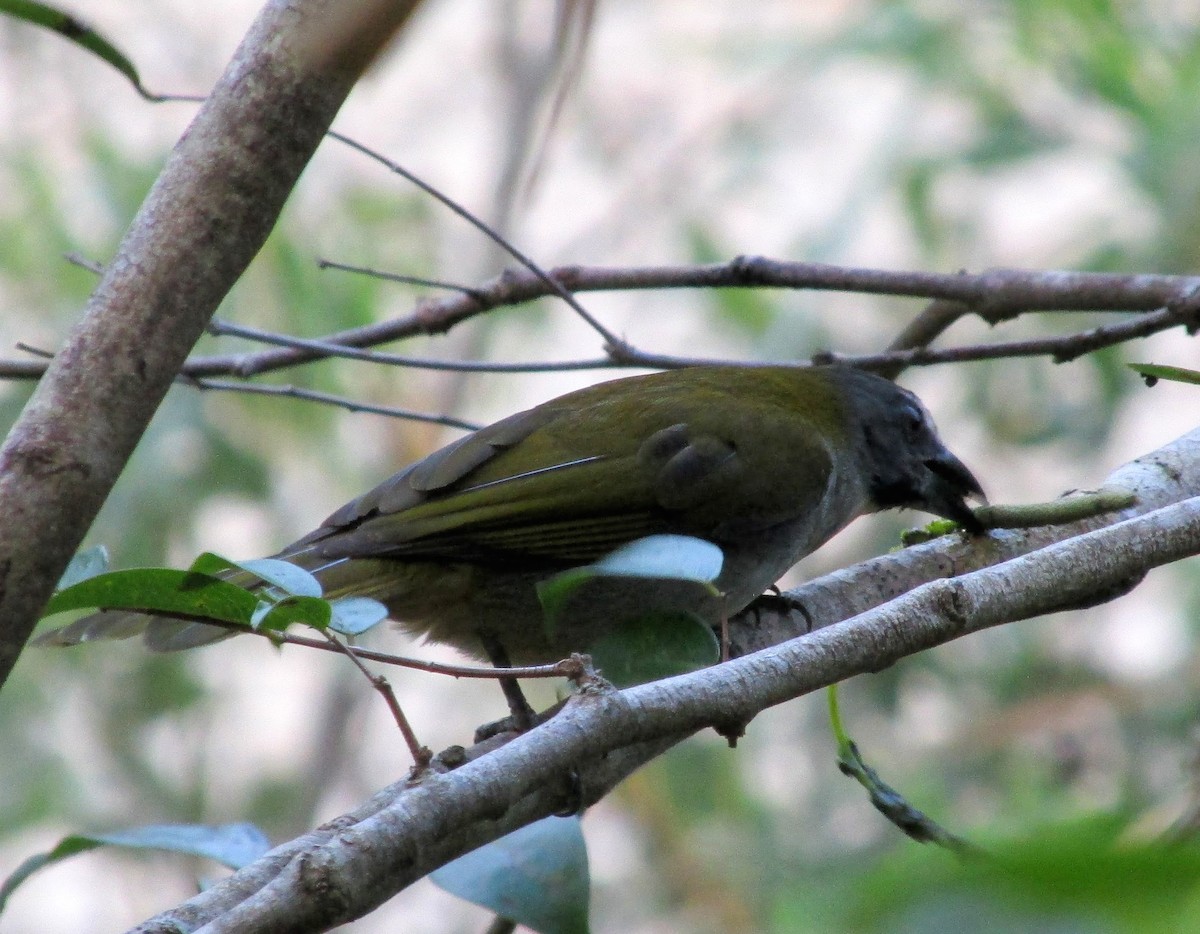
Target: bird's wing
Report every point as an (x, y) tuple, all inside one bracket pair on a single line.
[(525, 516), (573, 499)]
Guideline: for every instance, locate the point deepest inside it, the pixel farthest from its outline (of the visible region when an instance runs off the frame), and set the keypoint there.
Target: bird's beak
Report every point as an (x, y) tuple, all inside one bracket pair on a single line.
[(947, 487)]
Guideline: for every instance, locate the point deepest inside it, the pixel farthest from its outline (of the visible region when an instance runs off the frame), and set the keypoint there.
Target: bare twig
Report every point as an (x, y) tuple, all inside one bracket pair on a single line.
[(613, 344), (421, 754), (327, 349), (398, 277), (996, 295), (325, 398), (22, 369), (924, 329), (91, 265), (35, 351), (1059, 349), (567, 668)]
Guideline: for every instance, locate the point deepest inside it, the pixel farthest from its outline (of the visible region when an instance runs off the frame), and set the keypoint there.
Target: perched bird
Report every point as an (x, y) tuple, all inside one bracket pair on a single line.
[(765, 462)]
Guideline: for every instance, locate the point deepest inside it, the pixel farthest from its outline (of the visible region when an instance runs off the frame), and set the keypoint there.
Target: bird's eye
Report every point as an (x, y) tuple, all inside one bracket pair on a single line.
[(914, 422)]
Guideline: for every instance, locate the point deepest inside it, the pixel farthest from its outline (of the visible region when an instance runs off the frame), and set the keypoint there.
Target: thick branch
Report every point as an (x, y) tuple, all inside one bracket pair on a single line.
[(355, 863), (202, 222)]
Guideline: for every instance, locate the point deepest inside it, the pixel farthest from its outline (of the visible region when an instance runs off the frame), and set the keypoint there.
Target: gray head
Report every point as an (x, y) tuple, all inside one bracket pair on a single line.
[(905, 460)]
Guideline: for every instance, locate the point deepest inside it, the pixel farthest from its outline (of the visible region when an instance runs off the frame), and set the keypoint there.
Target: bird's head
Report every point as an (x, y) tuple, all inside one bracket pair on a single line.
[(904, 460)]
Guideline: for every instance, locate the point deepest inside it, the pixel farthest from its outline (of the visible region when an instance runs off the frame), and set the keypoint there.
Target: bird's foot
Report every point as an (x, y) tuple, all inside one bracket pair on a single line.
[(778, 603), (513, 723)]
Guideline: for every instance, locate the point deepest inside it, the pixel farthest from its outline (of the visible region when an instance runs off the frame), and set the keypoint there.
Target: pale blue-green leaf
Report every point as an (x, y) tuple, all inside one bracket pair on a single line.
[(662, 557), (284, 575), (233, 845), (355, 615), (678, 557), (85, 564), (536, 876), (260, 613)]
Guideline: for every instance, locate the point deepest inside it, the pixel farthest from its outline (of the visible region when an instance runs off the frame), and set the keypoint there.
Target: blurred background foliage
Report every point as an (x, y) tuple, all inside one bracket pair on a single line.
[(908, 134)]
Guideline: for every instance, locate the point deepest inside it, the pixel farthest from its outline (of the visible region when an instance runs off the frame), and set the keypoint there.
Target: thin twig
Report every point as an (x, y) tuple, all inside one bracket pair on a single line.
[(934, 320), (325, 398), (567, 668), (422, 755), (613, 344), (996, 295), (91, 265), (397, 277), (327, 349), (38, 352), (1059, 349)]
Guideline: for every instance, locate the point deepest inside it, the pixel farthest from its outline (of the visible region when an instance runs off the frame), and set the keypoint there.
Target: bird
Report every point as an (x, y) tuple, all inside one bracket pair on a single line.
[(766, 462)]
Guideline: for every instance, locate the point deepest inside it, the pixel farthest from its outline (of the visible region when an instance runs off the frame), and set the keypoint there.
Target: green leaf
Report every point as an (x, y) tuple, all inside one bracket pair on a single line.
[(85, 564), (1151, 372), (40, 14), (66, 847), (886, 799), (655, 646), (232, 845), (212, 564), (162, 590), (355, 615), (536, 876), (1086, 875), (927, 533), (311, 611), (554, 592)]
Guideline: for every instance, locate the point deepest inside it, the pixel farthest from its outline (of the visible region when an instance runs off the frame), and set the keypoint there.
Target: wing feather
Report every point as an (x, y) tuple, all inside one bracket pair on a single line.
[(571, 480)]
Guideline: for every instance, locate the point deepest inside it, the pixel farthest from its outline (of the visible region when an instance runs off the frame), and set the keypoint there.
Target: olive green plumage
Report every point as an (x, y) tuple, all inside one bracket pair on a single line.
[(765, 462)]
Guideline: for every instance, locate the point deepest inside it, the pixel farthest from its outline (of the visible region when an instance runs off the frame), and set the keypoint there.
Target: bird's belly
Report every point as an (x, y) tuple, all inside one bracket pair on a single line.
[(454, 604), (506, 608)]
